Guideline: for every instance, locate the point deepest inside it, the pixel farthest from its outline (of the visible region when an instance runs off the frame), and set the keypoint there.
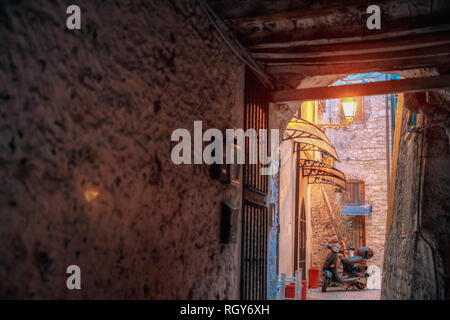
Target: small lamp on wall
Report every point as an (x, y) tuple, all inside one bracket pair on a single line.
[(349, 106)]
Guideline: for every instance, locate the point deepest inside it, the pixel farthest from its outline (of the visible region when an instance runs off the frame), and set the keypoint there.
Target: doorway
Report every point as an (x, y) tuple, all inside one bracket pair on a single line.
[(355, 196), (300, 241)]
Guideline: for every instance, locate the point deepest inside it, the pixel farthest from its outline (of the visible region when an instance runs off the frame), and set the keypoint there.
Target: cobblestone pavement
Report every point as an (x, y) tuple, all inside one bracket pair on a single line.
[(342, 294)]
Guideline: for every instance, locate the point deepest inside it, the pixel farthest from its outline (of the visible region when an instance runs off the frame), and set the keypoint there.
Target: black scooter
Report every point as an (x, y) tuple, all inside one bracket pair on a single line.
[(354, 273)]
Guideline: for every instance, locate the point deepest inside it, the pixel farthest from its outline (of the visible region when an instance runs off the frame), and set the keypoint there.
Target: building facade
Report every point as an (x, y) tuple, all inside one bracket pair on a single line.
[(365, 153)]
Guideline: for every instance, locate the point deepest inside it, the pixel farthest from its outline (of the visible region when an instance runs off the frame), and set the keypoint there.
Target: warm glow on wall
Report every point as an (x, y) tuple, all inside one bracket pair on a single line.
[(91, 195), (308, 110), (349, 106)]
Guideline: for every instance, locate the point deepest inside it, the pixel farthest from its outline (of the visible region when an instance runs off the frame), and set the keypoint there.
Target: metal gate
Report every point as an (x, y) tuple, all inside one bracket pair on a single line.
[(255, 211), (254, 266)]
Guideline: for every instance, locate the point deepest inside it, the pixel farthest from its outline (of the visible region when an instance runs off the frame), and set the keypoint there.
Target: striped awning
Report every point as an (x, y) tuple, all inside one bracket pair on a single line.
[(319, 172), (310, 137)]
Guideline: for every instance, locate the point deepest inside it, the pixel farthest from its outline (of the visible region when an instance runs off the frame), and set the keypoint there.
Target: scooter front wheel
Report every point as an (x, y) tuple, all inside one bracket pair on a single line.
[(325, 284)]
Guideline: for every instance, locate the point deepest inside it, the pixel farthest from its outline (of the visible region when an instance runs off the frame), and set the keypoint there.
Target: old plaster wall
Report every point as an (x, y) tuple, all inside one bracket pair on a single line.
[(421, 190), (272, 245), (94, 110), (286, 208)]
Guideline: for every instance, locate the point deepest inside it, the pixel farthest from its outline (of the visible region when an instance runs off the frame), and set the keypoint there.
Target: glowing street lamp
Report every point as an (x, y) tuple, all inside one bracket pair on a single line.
[(349, 106)]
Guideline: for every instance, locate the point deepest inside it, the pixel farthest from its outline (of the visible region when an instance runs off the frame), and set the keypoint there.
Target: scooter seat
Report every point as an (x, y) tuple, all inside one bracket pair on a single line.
[(351, 260)]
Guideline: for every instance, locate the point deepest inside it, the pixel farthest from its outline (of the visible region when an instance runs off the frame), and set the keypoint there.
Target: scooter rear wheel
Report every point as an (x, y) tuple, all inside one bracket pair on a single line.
[(361, 285), (325, 284)]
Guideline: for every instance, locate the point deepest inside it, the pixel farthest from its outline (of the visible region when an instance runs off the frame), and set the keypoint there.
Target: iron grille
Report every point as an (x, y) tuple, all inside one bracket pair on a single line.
[(254, 251), (256, 117), (254, 219)]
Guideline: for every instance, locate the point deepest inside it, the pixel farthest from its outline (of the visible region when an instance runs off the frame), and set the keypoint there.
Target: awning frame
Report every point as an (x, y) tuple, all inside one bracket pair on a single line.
[(303, 138), (322, 180), (319, 172)]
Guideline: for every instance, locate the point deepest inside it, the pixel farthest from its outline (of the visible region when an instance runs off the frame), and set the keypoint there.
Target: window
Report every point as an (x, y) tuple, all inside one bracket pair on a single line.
[(354, 194)]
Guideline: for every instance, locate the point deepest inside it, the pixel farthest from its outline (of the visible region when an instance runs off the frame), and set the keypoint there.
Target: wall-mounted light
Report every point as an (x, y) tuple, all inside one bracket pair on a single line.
[(90, 195), (349, 106)]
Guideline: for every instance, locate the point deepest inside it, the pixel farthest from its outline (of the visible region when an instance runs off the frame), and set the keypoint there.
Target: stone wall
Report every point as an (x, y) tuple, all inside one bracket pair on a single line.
[(94, 110), (322, 227), (417, 256), (362, 151)]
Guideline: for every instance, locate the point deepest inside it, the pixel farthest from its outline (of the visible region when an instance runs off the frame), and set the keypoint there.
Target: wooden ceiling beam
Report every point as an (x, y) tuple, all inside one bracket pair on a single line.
[(403, 42), (386, 36), (254, 11), (248, 10), (292, 32), (366, 89), (354, 68), (330, 37), (441, 49), (355, 51)]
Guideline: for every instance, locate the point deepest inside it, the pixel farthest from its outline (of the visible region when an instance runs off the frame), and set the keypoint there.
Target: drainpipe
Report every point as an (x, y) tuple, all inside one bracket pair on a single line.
[(388, 166)]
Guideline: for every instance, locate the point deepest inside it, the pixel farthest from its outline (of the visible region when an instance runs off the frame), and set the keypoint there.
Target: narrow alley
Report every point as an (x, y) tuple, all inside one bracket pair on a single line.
[(225, 150)]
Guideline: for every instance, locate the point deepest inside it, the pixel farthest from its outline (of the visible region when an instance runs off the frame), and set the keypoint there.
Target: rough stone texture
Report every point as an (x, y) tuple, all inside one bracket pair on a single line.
[(323, 232), (95, 109), (409, 271)]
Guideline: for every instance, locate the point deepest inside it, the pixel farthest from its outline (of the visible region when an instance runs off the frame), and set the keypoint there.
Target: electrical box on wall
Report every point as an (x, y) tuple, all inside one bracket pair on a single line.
[(227, 173), (220, 172), (229, 221)]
